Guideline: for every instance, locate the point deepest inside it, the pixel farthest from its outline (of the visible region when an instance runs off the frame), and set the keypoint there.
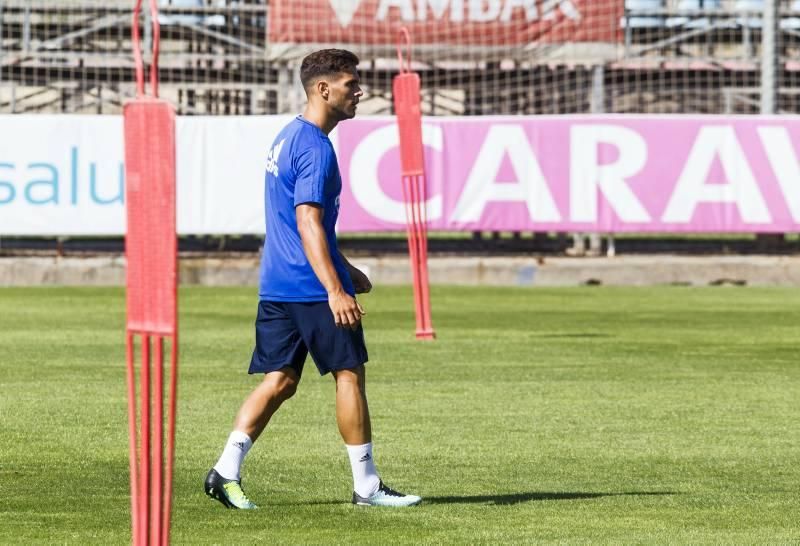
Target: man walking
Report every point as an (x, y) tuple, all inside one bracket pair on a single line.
[(307, 290)]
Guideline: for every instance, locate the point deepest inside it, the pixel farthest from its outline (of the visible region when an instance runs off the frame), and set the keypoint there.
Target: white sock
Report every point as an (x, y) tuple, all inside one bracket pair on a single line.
[(230, 462), (365, 477)]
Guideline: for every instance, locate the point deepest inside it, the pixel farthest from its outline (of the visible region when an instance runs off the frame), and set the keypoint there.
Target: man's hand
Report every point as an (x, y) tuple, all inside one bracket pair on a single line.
[(360, 280), (347, 312)]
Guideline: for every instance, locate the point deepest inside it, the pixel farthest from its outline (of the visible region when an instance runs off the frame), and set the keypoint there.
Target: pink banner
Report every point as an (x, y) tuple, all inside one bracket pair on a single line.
[(581, 173)]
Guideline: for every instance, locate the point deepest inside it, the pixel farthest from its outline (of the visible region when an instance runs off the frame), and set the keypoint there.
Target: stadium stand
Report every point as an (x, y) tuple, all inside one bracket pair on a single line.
[(632, 20), (674, 56)]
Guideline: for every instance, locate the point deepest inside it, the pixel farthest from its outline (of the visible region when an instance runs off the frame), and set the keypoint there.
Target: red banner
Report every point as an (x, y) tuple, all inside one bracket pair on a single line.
[(456, 22)]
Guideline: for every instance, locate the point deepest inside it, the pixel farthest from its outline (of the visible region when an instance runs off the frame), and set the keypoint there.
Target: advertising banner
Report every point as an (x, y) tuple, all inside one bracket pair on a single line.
[(61, 175), (582, 173), (64, 175), (453, 22)]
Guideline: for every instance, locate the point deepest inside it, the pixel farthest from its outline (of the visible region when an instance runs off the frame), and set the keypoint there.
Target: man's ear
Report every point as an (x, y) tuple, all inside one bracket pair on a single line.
[(323, 89)]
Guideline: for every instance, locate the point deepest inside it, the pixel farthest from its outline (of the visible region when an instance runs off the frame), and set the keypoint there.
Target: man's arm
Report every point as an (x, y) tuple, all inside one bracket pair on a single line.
[(360, 280), (346, 310)]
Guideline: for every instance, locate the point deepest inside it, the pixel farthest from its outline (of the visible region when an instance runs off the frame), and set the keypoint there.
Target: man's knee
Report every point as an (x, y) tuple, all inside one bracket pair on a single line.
[(283, 385), (354, 377), (287, 389)]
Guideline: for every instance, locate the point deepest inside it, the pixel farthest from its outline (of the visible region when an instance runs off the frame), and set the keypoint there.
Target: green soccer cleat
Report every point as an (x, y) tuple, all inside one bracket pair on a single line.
[(228, 492), (385, 496)]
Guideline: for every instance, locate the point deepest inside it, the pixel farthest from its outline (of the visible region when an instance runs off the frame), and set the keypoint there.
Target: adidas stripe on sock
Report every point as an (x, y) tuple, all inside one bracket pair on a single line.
[(230, 462), (365, 477)]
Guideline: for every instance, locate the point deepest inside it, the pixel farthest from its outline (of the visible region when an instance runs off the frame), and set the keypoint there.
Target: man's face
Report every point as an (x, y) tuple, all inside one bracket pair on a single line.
[(344, 93)]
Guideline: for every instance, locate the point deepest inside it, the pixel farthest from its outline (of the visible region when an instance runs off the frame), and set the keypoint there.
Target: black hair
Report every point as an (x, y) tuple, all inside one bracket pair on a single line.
[(326, 62)]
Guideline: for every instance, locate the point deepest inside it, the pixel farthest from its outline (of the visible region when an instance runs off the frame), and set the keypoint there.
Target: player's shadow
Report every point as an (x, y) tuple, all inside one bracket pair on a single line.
[(577, 335), (516, 498), (508, 499)]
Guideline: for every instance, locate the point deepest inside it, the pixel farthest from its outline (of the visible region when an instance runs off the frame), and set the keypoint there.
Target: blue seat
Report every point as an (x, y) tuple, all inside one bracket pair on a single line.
[(631, 20), (693, 21)]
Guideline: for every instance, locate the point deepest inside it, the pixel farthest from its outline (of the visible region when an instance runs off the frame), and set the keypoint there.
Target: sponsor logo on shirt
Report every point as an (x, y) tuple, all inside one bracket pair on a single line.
[(272, 158)]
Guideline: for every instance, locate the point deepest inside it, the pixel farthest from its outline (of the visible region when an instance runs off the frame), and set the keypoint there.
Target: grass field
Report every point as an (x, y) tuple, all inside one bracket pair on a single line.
[(603, 415)]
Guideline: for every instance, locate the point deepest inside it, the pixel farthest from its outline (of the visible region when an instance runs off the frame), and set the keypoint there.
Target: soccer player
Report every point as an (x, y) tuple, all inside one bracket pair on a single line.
[(307, 290)]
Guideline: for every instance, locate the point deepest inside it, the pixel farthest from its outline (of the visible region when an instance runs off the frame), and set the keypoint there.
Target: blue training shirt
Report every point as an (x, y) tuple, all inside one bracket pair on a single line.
[(301, 168)]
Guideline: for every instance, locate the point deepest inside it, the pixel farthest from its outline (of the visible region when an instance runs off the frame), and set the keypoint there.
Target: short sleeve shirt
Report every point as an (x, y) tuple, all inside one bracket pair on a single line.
[(301, 168)]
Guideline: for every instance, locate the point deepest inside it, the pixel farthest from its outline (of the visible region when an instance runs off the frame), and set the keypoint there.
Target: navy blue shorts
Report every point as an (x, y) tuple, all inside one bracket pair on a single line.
[(287, 332)]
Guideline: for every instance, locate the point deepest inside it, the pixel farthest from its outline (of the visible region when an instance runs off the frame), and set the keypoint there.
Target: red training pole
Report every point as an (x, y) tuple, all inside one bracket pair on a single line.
[(137, 52), (407, 101), (158, 440), (413, 249), (417, 262), (173, 393), (144, 452), (156, 47), (151, 251), (130, 376), (423, 253)]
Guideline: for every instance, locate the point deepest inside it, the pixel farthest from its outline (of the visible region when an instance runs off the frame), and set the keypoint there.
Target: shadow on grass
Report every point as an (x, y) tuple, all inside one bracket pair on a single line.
[(511, 498), (516, 498), (572, 336)]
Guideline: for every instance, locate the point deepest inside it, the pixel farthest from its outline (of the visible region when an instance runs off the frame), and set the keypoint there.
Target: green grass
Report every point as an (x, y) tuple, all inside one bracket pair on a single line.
[(648, 415)]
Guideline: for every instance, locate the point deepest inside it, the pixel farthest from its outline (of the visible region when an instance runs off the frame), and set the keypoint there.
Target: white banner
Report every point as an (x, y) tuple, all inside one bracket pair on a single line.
[(64, 175), (61, 175)]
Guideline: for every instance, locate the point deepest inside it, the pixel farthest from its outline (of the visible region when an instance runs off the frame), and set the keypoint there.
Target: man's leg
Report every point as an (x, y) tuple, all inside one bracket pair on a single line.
[(352, 416), (264, 401), (223, 481), (352, 411)]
